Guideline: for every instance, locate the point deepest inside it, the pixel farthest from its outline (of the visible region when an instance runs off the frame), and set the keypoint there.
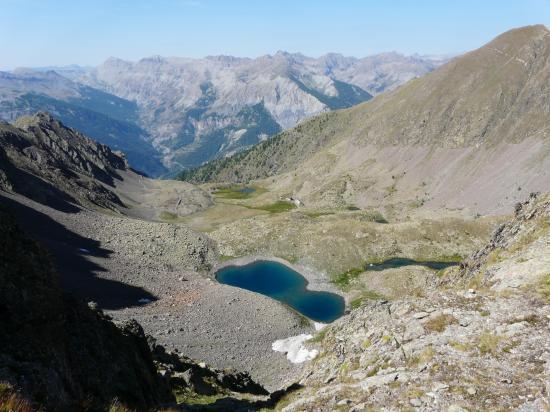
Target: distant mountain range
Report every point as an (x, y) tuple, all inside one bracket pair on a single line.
[(168, 114), (102, 116), (472, 134)]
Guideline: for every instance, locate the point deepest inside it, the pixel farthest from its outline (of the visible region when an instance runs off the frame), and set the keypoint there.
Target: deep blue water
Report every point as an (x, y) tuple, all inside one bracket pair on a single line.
[(279, 282), (400, 262)]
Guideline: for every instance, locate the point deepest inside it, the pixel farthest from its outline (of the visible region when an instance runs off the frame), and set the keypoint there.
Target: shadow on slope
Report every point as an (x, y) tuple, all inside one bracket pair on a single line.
[(37, 189), (243, 405), (71, 252)]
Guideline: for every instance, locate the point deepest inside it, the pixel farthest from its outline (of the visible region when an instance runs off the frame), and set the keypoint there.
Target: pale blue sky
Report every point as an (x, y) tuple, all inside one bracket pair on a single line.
[(60, 32)]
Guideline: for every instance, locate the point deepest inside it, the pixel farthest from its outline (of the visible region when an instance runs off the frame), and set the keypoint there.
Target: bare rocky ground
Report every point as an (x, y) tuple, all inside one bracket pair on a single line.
[(478, 340), (158, 274), (462, 338)]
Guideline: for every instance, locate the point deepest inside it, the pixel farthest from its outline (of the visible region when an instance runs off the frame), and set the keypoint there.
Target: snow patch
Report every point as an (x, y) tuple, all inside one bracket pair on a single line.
[(295, 351), (319, 325)]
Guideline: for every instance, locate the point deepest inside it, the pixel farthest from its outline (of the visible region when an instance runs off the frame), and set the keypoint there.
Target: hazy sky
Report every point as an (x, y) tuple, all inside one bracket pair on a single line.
[(60, 32)]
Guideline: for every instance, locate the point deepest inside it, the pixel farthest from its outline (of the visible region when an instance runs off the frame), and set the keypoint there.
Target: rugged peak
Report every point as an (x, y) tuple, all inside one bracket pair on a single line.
[(69, 166), (40, 117), (115, 62), (47, 128), (156, 59)]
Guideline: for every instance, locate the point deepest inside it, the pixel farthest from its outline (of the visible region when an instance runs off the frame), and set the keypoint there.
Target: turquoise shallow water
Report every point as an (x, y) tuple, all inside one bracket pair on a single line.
[(279, 282)]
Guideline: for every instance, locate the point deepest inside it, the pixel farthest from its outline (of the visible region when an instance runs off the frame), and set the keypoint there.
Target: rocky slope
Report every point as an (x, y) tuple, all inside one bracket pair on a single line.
[(48, 339), (59, 354), (56, 165), (479, 120), (45, 160), (377, 73), (478, 341), (118, 240)]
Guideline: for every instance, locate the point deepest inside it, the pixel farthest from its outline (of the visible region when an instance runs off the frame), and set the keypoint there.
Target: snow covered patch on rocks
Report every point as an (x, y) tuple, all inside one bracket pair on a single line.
[(295, 351), (318, 325)]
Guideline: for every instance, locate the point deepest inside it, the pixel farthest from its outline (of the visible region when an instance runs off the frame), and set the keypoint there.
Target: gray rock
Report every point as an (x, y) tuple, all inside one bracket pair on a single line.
[(415, 402)]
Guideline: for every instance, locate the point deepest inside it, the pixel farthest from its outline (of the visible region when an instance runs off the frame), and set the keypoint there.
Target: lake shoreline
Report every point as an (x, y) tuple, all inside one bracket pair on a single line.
[(316, 280), (281, 282)]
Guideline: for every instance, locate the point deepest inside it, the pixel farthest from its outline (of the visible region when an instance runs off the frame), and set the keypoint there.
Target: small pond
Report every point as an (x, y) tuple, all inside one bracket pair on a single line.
[(400, 262), (247, 190), (280, 282)]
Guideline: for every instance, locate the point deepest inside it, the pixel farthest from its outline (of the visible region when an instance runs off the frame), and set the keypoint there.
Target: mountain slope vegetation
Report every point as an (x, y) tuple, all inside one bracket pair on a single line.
[(481, 116)]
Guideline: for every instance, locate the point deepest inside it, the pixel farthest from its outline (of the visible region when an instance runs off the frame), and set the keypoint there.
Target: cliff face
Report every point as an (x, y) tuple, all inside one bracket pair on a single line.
[(54, 164), (58, 352)]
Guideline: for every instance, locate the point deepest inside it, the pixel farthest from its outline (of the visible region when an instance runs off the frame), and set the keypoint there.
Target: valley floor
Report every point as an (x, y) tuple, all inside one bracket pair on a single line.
[(160, 273)]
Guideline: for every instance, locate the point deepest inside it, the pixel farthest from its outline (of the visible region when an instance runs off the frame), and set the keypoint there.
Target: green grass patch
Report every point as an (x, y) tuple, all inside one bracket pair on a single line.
[(450, 258), (277, 207), (423, 357), (543, 288), (164, 215), (372, 295), (463, 347), (344, 279), (439, 323), (188, 397), (416, 204), (365, 295), (352, 208), (356, 303), (488, 343), (319, 337), (314, 214), (373, 216), (238, 192), (494, 257), (11, 400)]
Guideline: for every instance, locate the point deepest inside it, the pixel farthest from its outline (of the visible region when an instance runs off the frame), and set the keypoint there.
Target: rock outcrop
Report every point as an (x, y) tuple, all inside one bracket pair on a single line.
[(54, 164), (477, 342)]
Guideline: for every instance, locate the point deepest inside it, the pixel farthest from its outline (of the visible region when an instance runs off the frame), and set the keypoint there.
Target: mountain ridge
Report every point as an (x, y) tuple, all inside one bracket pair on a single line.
[(172, 90), (103, 116), (497, 106), (185, 111)]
